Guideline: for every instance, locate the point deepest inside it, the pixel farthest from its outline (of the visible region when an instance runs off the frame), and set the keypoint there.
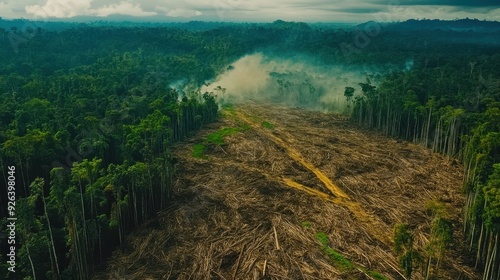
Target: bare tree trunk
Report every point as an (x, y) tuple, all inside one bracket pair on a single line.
[(428, 128), (83, 214), (408, 127), (31, 261), (479, 242), (50, 233), (489, 260), (429, 262)]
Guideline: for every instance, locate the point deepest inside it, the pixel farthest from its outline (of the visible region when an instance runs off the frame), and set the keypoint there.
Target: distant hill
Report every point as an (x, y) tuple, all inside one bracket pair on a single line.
[(82, 21), (465, 25)]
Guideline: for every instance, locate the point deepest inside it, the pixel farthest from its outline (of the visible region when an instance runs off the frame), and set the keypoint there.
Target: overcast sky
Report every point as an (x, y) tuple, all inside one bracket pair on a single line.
[(254, 10)]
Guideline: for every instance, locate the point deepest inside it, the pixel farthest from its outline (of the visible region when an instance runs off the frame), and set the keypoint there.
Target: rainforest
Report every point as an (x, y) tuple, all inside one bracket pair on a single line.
[(278, 150)]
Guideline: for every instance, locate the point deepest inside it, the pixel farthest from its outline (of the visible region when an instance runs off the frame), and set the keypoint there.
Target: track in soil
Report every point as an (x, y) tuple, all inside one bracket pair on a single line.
[(252, 208), (377, 229)]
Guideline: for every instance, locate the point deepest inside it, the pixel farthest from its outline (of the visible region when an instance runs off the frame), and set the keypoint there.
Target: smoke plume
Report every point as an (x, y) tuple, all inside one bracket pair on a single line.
[(297, 81)]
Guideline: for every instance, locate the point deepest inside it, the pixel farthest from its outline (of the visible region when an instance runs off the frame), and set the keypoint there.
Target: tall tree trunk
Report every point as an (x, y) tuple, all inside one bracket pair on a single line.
[(31, 261), (479, 245), (136, 218), (428, 272), (408, 126), (490, 257), (83, 214), (428, 128), (50, 233)]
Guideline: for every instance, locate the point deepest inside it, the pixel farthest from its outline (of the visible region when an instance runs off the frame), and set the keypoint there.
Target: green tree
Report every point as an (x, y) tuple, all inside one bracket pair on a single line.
[(403, 247)]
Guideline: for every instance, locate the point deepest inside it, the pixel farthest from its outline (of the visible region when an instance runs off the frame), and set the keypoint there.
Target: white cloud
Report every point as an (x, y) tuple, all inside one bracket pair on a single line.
[(6, 10), (183, 13), (244, 10), (60, 8), (71, 8), (123, 8)]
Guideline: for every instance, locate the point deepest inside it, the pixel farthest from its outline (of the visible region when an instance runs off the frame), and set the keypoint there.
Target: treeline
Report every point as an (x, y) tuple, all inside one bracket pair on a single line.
[(450, 104), (89, 132)]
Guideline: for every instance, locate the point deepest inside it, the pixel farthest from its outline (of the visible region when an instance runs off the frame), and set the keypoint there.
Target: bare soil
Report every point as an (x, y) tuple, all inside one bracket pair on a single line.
[(252, 207)]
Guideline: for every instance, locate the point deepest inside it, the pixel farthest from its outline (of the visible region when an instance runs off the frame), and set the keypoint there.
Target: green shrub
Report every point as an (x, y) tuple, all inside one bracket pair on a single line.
[(268, 125), (306, 224), (337, 259), (323, 239), (199, 151), (216, 138), (377, 275)]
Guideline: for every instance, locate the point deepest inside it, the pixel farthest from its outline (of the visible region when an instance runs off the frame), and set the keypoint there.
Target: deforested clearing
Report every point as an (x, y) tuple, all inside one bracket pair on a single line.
[(296, 194)]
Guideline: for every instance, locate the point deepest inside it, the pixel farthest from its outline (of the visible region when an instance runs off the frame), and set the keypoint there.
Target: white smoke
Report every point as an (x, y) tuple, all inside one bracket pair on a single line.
[(297, 81)]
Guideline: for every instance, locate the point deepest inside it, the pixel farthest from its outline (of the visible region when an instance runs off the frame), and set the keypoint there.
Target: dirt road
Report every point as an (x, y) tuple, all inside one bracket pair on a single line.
[(253, 208)]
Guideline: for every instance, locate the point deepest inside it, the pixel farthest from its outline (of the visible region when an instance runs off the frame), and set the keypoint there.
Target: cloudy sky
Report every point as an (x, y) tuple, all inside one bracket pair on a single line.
[(253, 10)]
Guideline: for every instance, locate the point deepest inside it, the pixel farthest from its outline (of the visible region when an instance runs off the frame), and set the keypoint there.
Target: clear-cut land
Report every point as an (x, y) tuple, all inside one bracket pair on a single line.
[(254, 206)]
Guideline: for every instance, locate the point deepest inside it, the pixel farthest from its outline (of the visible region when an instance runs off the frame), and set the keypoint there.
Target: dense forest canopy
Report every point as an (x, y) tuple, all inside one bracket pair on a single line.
[(88, 114)]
